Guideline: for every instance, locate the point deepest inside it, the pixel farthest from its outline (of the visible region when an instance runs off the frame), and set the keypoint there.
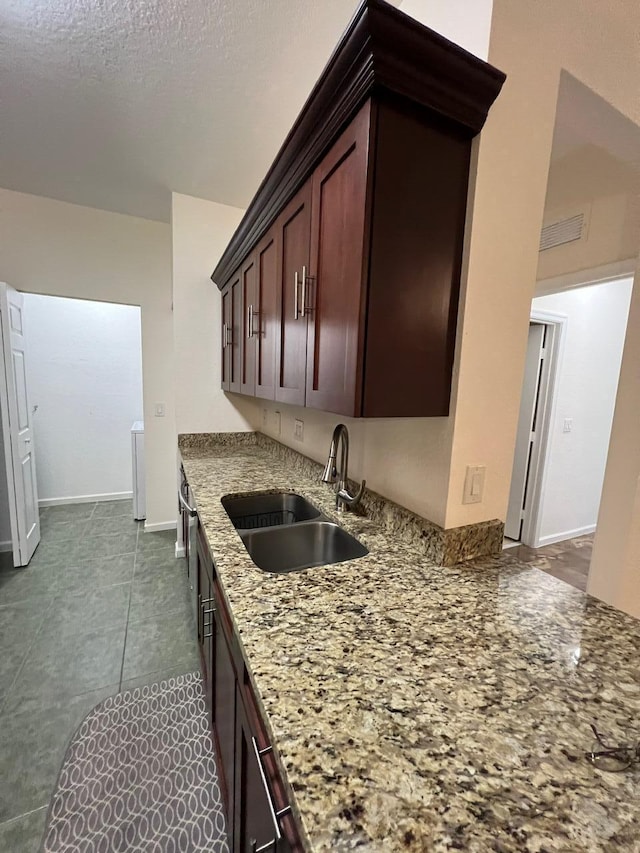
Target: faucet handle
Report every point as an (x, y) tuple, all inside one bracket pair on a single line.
[(351, 500)]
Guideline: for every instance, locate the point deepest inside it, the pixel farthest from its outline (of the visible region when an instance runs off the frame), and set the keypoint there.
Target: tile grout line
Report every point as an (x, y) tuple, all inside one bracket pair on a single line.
[(126, 627), (24, 814)]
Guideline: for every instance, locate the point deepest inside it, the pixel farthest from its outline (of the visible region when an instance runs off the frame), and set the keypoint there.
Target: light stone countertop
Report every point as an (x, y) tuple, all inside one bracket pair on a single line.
[(423, 708)]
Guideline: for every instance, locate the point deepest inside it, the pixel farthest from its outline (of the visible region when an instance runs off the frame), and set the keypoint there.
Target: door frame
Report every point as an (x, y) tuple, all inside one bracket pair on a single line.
[(556, 326)]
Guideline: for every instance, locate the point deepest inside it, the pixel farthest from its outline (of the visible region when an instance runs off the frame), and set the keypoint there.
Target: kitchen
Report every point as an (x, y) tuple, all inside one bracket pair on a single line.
[(431, 443)]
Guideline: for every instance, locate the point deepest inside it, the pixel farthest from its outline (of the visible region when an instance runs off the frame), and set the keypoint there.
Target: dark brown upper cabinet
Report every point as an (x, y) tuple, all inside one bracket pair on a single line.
[(249, 296), (335, 298), (363, 216), (231, 334), (265, 327), (227, 324), (293, 236)]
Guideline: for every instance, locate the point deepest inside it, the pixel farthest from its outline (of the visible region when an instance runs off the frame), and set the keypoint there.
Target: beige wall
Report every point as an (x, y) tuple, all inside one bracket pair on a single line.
[(609, 237), (404, 459), (593, 181), (614, 574), (200, 231), (531, 42), (64, 249)]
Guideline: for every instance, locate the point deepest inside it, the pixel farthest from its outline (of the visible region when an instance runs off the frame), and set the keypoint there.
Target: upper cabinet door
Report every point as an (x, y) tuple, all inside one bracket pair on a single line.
[(265, 325), (248, 322), (334, 298), (225, 337), (292, 272), (235, 333)]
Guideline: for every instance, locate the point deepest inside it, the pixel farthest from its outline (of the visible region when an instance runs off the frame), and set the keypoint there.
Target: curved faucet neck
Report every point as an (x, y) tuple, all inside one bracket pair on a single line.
[(333, 474)]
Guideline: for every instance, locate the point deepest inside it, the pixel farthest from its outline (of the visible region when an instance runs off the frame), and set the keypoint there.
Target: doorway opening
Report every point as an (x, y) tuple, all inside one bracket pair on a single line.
[(574, 353), (71, 392), (587, 257)]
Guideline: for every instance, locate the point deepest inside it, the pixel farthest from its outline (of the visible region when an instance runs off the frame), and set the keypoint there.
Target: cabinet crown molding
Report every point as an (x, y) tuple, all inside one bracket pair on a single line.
[(382, 53)]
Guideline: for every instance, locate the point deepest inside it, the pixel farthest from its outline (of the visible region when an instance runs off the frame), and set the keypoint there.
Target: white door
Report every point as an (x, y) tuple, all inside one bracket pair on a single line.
[(16, 426), (526, 435)]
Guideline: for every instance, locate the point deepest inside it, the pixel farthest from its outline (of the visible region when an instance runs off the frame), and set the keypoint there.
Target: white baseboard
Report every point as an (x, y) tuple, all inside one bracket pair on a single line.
[(181, 551), (162, 525), (86, 499), (568, 534), (6, 546)]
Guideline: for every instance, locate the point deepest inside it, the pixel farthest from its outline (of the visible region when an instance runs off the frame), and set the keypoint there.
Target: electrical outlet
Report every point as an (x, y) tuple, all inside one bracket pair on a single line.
[(159, 410), (276, 422), (474, 484), (298, 429), (265, 418), (567, 426)]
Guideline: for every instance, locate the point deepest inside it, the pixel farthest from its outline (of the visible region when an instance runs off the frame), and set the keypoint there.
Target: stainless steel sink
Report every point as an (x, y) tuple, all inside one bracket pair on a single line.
[(268, 510), (300, 546)]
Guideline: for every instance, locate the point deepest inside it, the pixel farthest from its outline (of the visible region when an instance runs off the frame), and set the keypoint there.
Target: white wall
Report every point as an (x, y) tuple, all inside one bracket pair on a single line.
[(587, 380), (84, 375), (62, 249), (200, 233), (466, 22)]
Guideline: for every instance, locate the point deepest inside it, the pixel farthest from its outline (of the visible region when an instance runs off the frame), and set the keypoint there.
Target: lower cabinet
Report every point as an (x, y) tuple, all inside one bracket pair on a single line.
[(223, 703), (205, 615), (259, 818)]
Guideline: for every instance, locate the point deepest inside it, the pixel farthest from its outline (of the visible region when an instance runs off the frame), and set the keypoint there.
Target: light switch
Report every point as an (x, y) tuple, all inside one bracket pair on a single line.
[(159, 410), (276, 423), (474, 484)]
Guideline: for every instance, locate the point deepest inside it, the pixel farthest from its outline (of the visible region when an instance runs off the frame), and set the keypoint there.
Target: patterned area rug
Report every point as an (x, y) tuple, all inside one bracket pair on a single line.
[(140, 775)]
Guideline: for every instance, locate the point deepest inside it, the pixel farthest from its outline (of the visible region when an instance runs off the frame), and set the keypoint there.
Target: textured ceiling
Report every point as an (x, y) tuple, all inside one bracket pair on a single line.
[(115, 103)]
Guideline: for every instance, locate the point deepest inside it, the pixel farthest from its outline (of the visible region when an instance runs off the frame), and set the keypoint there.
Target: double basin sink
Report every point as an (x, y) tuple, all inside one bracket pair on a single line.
[(283, 532)]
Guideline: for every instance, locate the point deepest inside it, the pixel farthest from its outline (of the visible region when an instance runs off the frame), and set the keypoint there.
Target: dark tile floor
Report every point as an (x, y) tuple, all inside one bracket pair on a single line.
[(102, 606), (568, 560)]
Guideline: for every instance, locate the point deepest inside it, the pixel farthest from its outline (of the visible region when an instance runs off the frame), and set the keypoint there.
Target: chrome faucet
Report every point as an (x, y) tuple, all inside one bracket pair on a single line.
[(330, 474)]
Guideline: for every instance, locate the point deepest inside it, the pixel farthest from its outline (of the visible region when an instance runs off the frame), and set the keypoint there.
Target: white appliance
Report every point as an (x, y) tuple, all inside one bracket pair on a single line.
[(137, 458)]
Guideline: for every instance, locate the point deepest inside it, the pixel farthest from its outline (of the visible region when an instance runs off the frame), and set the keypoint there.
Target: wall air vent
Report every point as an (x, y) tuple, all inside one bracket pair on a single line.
[(562, 231)]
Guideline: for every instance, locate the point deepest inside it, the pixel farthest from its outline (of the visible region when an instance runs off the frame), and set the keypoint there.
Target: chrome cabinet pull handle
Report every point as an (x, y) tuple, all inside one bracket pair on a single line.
[(275, 814), (190, 510), (295, 295), (224, 335), (306, 281), (207, 625), (251, 324)]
